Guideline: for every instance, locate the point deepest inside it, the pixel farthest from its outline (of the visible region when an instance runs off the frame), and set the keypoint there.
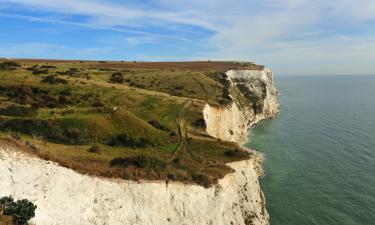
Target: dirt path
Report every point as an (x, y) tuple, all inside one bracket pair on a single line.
[(181, 124)]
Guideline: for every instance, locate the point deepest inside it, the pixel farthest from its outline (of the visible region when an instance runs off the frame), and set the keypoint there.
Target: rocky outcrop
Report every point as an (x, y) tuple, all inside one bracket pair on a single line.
[(254, 98), (66, 197)]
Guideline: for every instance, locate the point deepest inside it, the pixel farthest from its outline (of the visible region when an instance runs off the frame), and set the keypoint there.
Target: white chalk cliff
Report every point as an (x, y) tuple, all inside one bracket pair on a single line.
[(254, 98), (67, 197)]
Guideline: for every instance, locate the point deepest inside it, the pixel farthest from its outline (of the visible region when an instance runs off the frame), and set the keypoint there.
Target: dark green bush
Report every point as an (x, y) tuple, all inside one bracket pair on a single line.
[(9, 65), (155, 123), (21, 210), (127, 141), (236, 153), (94, 149), (47, 67), (201, 123), (19, 111), (66, 131), (201, 179), (37, 71), (139, 161), (72, 72), (97, 104), (53, 79), (116, 78)]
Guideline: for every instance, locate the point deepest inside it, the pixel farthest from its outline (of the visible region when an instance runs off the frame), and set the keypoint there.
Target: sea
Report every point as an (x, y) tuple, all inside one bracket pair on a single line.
[(319, 152)]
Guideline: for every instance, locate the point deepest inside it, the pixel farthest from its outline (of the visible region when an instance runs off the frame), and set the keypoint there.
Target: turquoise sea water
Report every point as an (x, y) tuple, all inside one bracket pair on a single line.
[(320, 151)]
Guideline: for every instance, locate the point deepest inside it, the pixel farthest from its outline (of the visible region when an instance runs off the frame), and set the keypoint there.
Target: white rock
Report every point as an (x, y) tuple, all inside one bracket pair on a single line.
[(66, 197), (232, 123)]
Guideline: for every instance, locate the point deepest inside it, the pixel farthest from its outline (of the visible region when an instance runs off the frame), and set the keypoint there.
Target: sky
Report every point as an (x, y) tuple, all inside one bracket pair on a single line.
[(293, 37)]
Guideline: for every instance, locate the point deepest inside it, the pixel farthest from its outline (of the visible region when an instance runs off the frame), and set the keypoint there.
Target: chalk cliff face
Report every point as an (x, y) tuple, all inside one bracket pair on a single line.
[(254, 98), (66, 197)]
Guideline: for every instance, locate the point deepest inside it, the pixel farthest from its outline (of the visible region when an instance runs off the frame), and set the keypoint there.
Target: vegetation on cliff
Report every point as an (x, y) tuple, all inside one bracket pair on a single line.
[(16, 212), (143, 120)]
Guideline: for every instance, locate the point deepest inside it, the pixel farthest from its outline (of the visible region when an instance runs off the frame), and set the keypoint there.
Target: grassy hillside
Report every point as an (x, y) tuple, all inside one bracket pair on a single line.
[(131, 120)]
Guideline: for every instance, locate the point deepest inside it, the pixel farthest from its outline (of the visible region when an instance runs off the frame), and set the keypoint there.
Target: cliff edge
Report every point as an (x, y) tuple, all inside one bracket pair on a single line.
[(254, 97), (64, 196)]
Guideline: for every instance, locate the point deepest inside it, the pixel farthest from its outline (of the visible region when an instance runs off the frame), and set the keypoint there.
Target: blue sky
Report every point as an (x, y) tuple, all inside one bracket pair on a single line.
[(290, 36)]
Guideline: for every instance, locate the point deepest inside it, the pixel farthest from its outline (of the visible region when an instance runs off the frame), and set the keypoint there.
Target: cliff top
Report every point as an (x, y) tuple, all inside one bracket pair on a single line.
[(133, 120)]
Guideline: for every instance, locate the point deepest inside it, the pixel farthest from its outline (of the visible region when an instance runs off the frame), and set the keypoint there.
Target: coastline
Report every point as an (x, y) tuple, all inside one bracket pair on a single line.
[(236, 199)]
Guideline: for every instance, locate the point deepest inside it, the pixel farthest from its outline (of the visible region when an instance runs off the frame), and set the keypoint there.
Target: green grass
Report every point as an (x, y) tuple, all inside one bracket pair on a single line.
[(65, 119)]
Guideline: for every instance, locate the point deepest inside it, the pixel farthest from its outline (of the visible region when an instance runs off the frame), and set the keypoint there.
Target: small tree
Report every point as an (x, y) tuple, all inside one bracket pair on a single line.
[(24, 211), (6, 204), (116, 78), (21, 210)]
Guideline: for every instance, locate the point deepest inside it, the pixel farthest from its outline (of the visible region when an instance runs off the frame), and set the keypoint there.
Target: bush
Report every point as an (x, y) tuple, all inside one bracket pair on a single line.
[(236, 153), (94, 149), (155, 123), (9, 65), (70, 72), (72, 133), (47, 67), (116, 78), (201, 123), (128, 141), (53, 79), (37, 71), (21, 210), (19, 111), (201, 179), (97, 104), (139, 161)]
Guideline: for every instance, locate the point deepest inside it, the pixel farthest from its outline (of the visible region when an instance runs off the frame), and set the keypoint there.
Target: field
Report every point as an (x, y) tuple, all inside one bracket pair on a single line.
[(130, 120)]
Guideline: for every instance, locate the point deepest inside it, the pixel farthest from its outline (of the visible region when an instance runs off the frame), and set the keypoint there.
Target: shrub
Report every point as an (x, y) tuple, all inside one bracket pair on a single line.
[(235, 153), (200, 123), (94, 149), (9, 65), (53, 79), (47, 67), (37, 71), (128, 141), (70, 72), (97, 104), (116, 78), (201, 179), (155, 123), (19, 111), (139, 161), (72, 133), (21, 210)]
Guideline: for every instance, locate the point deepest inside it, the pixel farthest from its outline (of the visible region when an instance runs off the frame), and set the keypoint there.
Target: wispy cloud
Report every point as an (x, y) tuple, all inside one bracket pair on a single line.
[(290, 35)]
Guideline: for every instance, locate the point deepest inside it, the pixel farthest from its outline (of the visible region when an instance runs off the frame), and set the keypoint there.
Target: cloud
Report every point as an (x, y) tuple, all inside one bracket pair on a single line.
[(281, 33)]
